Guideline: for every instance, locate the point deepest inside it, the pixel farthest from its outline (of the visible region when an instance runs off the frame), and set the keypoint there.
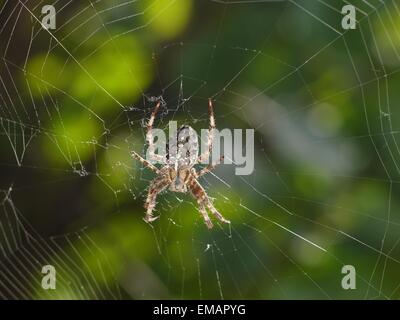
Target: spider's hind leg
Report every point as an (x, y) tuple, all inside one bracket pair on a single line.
[(149, 206), (202, 199), (216, 213), (156, 186), (206, 218)]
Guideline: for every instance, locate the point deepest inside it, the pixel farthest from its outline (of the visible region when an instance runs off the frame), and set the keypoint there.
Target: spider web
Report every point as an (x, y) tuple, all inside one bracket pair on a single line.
[(74, 102)]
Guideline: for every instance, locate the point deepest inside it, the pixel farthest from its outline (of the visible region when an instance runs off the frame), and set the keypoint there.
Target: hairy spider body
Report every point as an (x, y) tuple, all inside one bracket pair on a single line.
[(178, 173)]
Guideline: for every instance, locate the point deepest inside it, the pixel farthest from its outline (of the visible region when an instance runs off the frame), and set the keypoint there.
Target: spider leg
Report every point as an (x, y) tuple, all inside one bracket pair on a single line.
[(206, 218), (215, 212), (149, 136), (156, 186), (202, 199), (145, 162), (206, 154), (209, 168)]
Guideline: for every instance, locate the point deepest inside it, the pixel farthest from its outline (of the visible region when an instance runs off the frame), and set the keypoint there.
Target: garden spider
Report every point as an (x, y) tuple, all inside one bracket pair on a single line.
[(177, 172)]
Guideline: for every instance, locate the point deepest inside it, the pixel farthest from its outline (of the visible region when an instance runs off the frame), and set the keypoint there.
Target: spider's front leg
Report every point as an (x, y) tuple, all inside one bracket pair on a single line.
[(204, 157), (150, 139), (146, 163), (159, 184)]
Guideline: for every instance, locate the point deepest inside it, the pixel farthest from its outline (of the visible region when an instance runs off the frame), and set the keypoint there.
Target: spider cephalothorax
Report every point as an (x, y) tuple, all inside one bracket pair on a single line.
[(178, 173)]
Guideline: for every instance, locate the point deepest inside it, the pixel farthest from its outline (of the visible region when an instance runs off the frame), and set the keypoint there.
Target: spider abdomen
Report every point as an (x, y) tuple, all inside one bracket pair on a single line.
[(183, 148)]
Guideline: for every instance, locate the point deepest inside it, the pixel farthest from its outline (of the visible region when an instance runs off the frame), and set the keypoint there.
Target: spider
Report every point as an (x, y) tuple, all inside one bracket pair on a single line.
[(178, 172)]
